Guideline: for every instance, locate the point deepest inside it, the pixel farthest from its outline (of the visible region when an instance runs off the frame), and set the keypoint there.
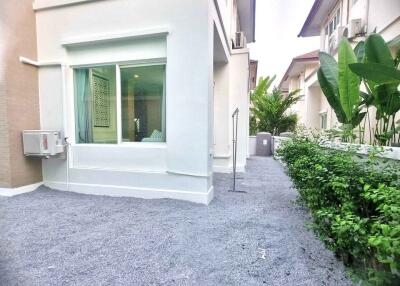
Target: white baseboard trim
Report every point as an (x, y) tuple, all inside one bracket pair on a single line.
[(122, 191), (9, 192)]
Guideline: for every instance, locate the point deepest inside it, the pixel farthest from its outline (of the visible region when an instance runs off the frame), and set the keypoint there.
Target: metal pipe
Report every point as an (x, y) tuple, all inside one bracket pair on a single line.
[(27, 61)]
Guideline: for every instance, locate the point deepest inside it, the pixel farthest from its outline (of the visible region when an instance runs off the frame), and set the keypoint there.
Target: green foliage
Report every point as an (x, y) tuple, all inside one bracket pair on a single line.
[(329, 84), (355, 204), (372, 62), (340, 85), (349, 82), (270, 108), (377, 51), (382, 78), (376, 72), (253, 125), (359, 51)]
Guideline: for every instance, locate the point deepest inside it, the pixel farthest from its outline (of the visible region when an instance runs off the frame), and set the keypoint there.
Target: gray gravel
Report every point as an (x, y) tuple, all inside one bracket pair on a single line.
[(49, 237)]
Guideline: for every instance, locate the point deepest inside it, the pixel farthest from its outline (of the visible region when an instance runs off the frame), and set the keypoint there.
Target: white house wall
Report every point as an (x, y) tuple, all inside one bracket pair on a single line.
[(222, 119), (381, 16), (239, 98), (231, 92), (225, 10), (180, 168)]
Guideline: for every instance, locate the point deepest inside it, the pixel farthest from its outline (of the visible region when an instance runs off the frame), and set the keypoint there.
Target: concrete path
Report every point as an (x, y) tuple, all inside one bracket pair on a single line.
[(255, 238)]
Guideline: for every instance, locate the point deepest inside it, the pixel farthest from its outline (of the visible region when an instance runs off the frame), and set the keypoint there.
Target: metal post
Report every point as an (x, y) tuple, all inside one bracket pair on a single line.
[(234, 137), (235, 119)]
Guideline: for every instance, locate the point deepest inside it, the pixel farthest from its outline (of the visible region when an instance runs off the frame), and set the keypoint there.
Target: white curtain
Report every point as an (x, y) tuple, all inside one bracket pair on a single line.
[(83, 108)]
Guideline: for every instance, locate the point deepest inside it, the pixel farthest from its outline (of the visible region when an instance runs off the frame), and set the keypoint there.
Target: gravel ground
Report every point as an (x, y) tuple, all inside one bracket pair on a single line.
[(49, 237)]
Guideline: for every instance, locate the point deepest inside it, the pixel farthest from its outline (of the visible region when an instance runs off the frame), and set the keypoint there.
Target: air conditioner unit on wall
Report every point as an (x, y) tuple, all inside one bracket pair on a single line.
[(356, 28), (239, 41), (42, 143)]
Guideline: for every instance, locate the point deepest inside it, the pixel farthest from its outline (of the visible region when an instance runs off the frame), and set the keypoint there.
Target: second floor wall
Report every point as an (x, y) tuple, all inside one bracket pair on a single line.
[(230, 12), (358, 18)]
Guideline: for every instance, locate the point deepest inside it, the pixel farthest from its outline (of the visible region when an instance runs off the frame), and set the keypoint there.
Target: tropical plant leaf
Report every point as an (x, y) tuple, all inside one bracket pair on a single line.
[(357, 118), (359, 51), (377, 51), (349, 82), (378, 73), (397, 59), (368, 98), (387, 103), (332, 96), (270, 108), (330, 69)]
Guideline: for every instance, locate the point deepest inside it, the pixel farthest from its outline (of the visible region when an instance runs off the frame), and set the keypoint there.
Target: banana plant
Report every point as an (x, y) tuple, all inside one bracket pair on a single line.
[(271, 108), (341, 86), (382, 80)]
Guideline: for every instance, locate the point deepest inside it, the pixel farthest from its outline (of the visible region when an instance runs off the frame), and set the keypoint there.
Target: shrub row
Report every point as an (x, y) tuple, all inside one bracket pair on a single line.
[(355, 205)]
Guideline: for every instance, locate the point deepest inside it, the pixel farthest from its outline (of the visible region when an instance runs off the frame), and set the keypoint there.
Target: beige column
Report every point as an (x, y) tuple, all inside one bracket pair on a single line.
[(19, 100)]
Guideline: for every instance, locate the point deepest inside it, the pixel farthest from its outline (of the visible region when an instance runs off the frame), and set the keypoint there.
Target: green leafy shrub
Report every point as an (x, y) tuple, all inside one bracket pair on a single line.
[(269, 111), (355, 204)]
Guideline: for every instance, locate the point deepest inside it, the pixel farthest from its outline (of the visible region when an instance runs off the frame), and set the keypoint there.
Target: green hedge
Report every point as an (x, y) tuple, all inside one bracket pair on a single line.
[(355, 204)]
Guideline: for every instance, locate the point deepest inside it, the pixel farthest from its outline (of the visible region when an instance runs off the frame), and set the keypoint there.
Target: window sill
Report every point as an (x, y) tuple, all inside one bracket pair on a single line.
[(138, 145)]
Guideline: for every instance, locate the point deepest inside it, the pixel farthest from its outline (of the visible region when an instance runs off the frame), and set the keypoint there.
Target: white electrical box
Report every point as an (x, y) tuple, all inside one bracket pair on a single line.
[(42, 143)]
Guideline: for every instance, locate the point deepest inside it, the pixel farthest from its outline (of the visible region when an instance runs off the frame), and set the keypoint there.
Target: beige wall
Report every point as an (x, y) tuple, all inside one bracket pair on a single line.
[(19, 108), (310, 69), (313, 105)]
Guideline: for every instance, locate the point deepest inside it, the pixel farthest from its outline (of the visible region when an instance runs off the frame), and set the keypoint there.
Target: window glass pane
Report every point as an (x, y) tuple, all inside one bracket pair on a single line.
[(143, 103), (324, 121), (95, 105)]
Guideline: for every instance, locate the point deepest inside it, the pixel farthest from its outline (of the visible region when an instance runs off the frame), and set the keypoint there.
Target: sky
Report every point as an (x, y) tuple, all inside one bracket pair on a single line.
[(278, 22)]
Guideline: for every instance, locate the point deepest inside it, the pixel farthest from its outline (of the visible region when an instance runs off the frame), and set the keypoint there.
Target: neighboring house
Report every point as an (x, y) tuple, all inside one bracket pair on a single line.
[(331, 20), (312, 109), (143, 90)]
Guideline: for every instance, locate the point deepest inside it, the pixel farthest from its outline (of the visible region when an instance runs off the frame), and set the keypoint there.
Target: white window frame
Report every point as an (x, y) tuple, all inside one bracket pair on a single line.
[(331, 19), (323, 114), (118, 66)]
